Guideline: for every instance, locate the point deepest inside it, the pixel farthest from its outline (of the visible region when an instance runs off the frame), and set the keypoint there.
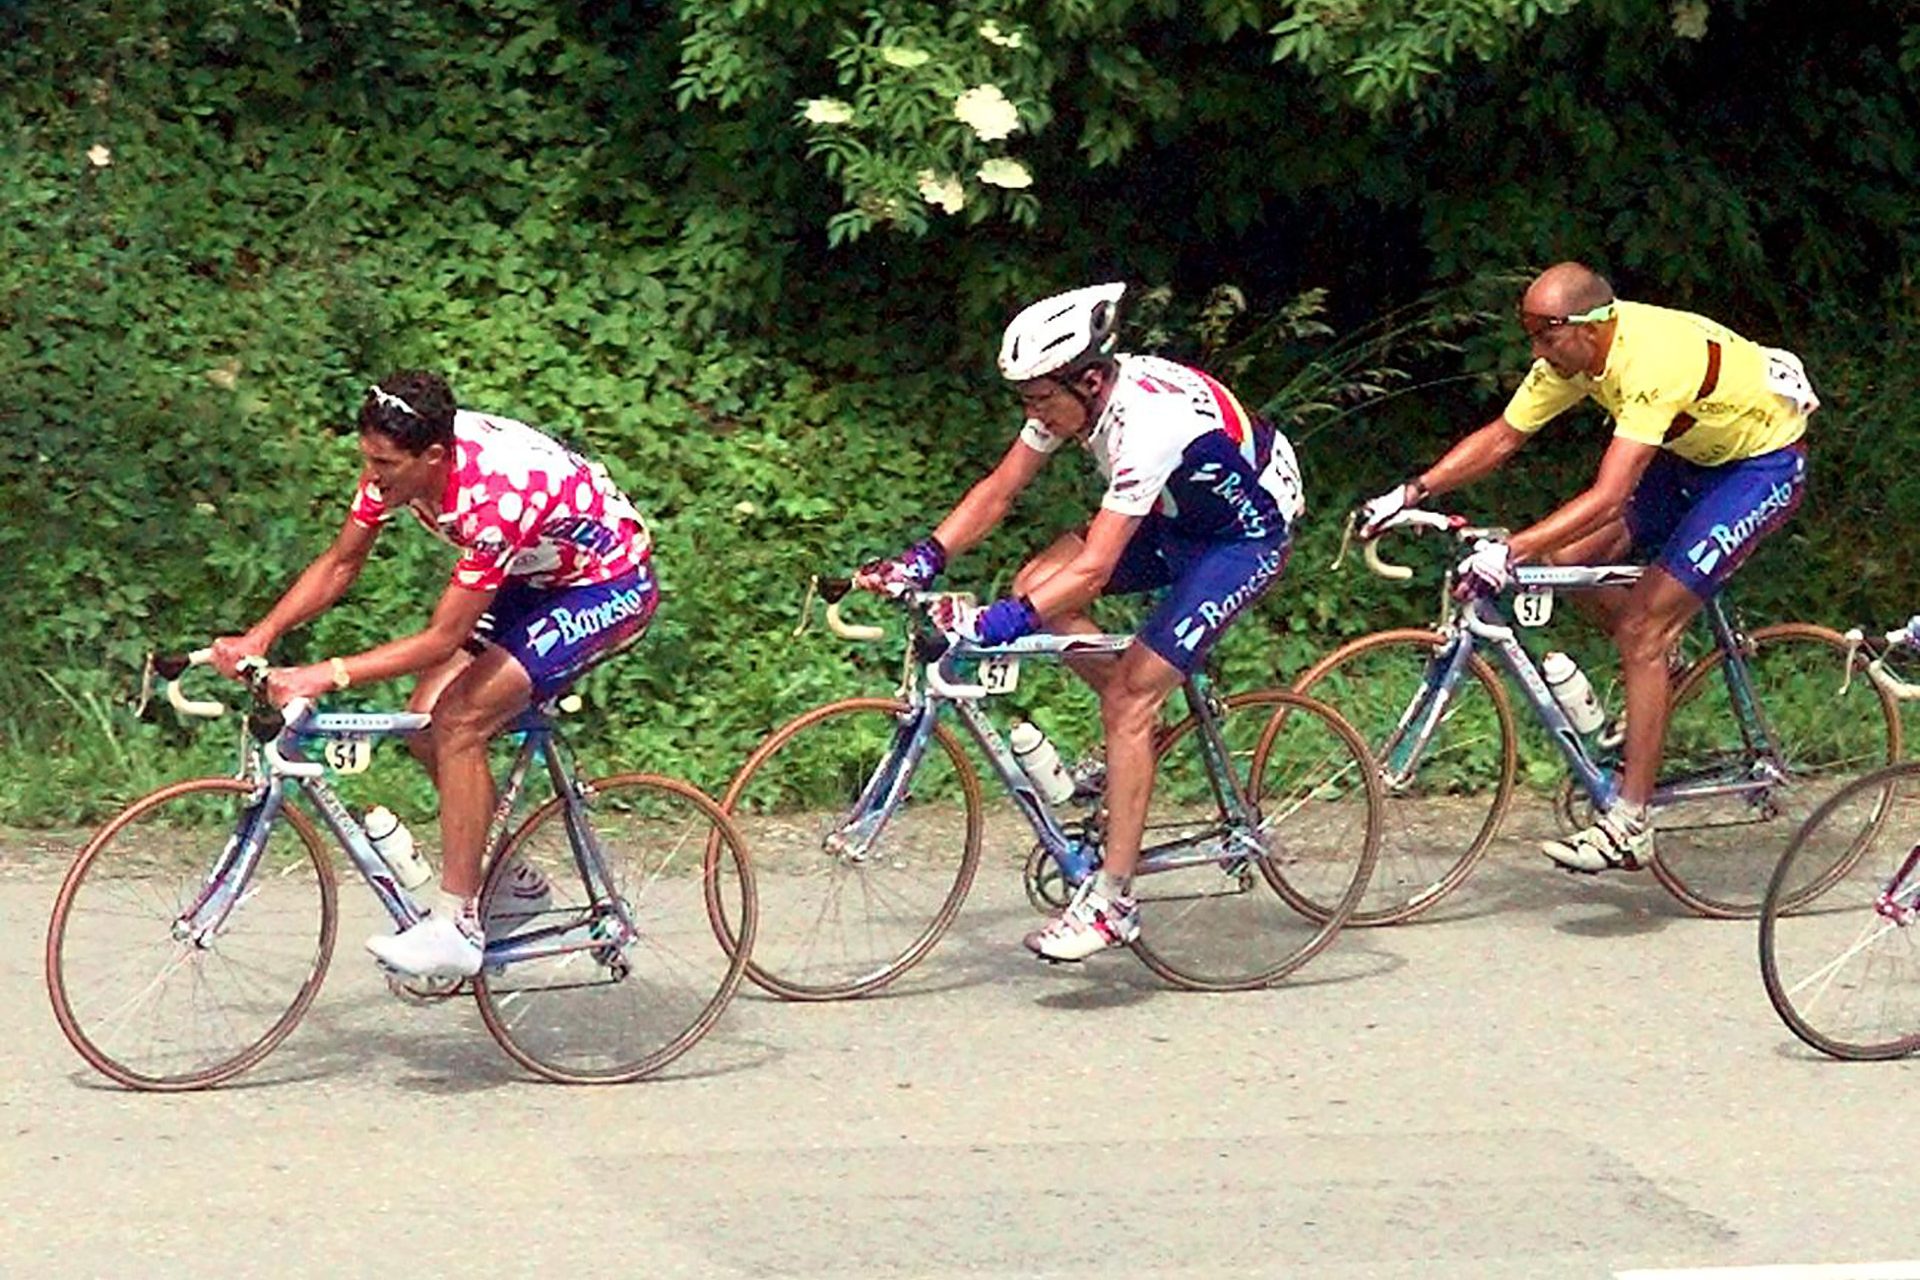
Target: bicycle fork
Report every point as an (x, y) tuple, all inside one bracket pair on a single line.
[(232, 871), (1899, 902), (853, 838)]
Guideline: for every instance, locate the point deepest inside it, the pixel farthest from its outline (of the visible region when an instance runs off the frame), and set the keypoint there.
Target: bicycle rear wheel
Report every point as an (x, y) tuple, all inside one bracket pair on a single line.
[(1716, 855), (153, 1011), (1444, 805), (1244, 918), (1841, 961), (613, 1013), (840, 917)]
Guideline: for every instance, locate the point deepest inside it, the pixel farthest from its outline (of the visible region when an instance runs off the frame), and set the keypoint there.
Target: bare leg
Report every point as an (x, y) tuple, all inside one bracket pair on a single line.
[(479, 702), (1095, 669), (1608, 545), (1656, 613), (426, 692), (471, 700), (1130, 709)]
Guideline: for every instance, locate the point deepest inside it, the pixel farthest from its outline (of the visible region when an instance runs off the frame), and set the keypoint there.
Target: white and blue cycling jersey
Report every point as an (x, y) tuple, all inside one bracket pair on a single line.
[(1174, 441), (1217, 492)]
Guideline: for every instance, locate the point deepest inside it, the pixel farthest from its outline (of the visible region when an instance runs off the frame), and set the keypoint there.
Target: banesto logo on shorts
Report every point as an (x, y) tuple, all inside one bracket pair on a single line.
[(1217, 613), (1726, 540), (571, 626)]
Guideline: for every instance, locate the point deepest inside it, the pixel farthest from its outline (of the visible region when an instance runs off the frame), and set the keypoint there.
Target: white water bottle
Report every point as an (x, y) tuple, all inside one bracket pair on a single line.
[(394, 843), (1571, 690), (1040, 762)]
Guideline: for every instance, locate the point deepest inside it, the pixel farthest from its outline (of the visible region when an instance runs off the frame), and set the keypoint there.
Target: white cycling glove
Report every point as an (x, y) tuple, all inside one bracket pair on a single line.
[(1374, 513), (1486, 571)]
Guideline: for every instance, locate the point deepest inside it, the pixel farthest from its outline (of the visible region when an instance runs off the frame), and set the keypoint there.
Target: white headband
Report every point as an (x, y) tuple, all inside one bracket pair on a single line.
[(390, 400)]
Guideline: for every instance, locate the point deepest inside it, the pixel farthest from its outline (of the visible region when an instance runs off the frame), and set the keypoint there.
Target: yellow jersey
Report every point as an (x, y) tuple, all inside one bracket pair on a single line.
[(1681, 382)]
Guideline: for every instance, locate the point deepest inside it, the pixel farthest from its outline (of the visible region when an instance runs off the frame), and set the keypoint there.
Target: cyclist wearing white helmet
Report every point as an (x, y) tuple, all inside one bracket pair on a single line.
[(1201, 498)]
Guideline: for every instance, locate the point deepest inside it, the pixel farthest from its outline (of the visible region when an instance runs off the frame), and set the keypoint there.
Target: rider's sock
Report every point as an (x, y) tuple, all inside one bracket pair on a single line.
[(1634, 817), (462, 910), (1110, 886)]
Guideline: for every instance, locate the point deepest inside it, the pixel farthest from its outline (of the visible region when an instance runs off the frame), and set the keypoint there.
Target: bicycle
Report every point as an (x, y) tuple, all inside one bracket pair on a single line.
[(866, 819), (1839, 948), (1757, 736), (227, 889)]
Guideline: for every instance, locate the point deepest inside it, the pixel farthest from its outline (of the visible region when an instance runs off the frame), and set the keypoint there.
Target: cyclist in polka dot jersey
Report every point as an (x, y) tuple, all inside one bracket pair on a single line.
[(554, 575), (522, 507)]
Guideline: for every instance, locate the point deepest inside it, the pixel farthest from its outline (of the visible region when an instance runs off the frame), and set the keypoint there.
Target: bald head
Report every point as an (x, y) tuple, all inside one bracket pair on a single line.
[(1566, 289)]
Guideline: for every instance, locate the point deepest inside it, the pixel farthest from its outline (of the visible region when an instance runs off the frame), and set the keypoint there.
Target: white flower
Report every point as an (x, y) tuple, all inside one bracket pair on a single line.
[(1690, 19), (901, 56), (99, 156), (828, 111), (986, 111), (990, 32), (945, 193), (225, 376), (1002, 172), (745, 509)]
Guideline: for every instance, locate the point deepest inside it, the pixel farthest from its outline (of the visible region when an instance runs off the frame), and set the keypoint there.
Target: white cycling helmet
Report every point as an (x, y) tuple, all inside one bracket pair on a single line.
[(1062, 333)]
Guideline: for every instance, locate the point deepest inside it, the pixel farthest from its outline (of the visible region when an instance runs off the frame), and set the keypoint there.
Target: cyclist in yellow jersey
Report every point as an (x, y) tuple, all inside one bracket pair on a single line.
[(1707, 459)]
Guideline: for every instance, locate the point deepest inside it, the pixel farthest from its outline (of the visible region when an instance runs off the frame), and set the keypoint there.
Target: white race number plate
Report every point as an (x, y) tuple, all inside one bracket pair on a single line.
[(348, 755), (999, 675), (1533, 608)]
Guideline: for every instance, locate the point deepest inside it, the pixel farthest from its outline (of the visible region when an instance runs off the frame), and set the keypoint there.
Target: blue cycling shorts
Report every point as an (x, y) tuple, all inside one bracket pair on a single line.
[(1208, 585), (556, 633), (1701, 523)]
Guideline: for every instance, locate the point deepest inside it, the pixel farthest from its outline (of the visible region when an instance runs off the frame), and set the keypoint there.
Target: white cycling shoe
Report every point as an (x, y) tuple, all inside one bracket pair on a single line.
[(437, 947), (1613, 843), (1090, 924)]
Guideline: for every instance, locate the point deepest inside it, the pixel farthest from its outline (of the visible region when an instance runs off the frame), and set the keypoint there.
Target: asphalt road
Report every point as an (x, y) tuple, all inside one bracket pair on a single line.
[(1552, 1078)]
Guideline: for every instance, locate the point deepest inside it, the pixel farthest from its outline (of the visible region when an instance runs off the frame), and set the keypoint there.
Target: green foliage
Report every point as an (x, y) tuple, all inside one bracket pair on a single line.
[(1385, 54), (221, 218)]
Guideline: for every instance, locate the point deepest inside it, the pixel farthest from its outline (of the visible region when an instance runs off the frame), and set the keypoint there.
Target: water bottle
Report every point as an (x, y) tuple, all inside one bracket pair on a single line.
[(1571, 690), (1040, 762), (394, 843)]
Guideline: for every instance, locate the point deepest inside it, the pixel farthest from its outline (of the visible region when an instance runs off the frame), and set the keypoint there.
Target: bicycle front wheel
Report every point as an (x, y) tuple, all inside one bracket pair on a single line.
[(153, 1007), (1716, 854), (1270, 898), (843, 911), (617, 1012), (1445, 797), (1840, 955)]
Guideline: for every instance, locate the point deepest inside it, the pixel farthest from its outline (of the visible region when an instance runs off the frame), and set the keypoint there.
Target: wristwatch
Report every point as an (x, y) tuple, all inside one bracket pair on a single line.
[(340, 677)]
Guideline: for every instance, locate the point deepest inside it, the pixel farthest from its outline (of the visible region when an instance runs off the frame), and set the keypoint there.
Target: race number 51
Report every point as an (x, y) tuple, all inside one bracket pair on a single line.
[(1533, 608)]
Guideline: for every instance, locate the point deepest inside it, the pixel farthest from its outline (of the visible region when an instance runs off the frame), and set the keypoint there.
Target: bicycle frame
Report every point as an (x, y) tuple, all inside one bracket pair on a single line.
[(276, 764), (930, 690), (1480, 623)]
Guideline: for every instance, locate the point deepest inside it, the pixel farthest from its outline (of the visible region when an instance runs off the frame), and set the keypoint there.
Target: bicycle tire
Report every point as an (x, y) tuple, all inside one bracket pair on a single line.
[(136, 861), (1830, 738), (558, 1015), (788, 798), (1373, 681), (1223, 927), (1842, 972)]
